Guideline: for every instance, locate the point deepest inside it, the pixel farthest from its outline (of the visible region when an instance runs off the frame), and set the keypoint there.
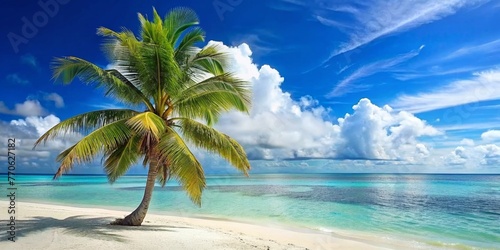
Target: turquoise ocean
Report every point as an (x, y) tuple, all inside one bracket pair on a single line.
[(451, 211)]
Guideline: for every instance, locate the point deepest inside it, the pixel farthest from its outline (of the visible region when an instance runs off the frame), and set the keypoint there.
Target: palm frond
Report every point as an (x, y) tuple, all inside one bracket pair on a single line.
[(105, 138), (86, 122), (157, 56), (212, 52), (212, 96), (125, 38), (185, 47), (68, 68), (163, 172), (209, 65), (214, 141), (125, 53), (136, 62), (225, 82), (177, 21), (183, 164), (119, 159), (147, 123), (160, 70)]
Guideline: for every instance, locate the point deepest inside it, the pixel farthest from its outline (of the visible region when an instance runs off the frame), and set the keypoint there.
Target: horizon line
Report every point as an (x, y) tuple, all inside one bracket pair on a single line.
[(236, 174)]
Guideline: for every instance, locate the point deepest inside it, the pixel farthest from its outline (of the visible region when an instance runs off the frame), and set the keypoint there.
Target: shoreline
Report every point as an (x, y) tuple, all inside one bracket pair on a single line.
[(46, 226)]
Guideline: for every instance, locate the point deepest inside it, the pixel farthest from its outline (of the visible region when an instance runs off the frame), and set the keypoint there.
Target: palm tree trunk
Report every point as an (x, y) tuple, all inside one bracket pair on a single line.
[(137, 217)]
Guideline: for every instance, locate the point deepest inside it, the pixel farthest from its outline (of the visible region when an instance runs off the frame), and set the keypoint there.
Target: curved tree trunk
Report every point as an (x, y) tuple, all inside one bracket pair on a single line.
[(137, 217)]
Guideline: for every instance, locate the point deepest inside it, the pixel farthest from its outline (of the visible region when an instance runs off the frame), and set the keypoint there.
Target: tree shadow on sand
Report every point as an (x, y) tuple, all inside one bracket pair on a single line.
[(95, 228)]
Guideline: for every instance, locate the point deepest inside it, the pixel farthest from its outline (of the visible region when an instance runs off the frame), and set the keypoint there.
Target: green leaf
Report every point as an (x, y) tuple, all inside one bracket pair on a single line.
[(210, 65), (207, 99), (184, 48), (183, 165), (68, 68), (164, 172), (105, 138), (214, 141), (119, 159), (86, 122), (212, 52), (177, 21), (147, 123)]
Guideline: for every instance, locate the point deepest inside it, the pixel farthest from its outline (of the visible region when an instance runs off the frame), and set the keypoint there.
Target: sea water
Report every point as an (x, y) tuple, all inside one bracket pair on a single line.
[(453, 211)]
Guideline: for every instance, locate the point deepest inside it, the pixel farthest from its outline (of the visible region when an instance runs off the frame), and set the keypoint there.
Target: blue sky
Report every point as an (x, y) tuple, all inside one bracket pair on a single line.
[(339, 86)]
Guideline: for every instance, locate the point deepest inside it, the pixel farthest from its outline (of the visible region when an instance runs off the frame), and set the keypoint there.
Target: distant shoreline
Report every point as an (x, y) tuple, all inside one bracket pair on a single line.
[(258, 174)]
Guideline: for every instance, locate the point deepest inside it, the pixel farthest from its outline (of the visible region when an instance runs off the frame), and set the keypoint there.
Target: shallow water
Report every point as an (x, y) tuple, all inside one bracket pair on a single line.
[(453, 211)]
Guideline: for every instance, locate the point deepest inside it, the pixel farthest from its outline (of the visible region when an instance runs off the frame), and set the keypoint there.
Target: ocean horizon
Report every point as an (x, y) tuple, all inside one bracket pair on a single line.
[(457, 211)]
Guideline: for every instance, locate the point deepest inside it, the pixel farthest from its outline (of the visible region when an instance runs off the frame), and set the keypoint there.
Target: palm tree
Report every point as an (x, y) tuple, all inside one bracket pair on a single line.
[(175, 93)]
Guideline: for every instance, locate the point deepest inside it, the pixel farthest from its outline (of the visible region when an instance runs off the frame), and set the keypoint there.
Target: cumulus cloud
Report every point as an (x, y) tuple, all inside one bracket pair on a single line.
[(31, 128), (491, 135), (40, 124), (372, 132), (32, 107), (457, 156), (27, 108), (54, 97), (26, 132), (471, 157), (280, 127), (467, 142)]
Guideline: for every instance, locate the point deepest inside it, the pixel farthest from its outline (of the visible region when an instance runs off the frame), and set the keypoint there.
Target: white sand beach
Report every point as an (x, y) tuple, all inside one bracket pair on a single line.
[(42, 226)]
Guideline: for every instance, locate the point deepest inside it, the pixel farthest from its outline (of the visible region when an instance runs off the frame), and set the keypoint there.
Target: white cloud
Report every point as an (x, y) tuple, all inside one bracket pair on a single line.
[(484, 86), (434, 71), (40, 124), (27, 108), (457, 156), (57, 99), (26, 132), (467, 142), (372, 132), (461, 125), (32, 107), (472, 157), (330, 22), (381, 18), (345, 86), (280, 127), (496, 106), (491, 135), (488, 47)]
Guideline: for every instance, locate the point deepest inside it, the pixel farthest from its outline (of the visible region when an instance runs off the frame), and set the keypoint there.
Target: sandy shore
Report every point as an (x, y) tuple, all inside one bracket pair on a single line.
[(41, 226)]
